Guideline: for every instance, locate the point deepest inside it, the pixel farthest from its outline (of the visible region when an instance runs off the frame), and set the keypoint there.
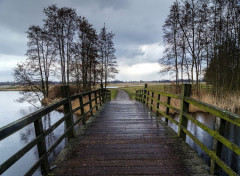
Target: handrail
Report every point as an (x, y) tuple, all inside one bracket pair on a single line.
[(148, 97), (21, 123), (99, 96)]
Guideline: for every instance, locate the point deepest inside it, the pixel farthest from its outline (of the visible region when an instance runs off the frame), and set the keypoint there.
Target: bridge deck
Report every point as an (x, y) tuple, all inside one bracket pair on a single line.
[(127, 139)]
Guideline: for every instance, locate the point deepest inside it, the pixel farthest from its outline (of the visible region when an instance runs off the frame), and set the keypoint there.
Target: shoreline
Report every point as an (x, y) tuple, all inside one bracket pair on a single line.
[(5, 90)]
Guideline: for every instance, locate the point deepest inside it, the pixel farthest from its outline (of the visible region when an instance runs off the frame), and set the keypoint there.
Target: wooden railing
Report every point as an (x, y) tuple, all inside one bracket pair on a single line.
[(152, 99), (100, 97)]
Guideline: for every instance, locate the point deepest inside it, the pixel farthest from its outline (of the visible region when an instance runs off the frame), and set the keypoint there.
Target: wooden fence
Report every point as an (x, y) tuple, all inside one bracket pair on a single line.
[(151, 98), (100, 97)]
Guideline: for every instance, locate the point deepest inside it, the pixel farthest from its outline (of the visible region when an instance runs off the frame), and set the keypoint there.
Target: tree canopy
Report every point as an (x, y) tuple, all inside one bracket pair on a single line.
[(67, 49)]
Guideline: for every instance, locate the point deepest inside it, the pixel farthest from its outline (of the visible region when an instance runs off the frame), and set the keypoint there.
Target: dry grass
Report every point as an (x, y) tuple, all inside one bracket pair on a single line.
[(55, 95), (227, 101), (75, 104)]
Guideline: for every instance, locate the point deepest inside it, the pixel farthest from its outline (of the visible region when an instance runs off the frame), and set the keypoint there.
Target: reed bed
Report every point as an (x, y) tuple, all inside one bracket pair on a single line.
[(229, 101)]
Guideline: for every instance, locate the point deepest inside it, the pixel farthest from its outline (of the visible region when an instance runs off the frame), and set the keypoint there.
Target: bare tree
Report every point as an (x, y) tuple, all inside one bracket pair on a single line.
[(34, 73), (108, 60), (61, 24), (68, 42)]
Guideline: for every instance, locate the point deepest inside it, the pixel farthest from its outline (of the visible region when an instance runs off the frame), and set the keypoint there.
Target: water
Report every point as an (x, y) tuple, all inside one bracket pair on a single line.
[(112, 87), (10, 110), (232, 133), (115, 87)]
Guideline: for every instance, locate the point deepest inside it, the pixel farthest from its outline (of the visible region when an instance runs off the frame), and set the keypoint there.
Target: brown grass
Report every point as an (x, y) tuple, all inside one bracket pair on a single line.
[(228, 101), (55, 95)]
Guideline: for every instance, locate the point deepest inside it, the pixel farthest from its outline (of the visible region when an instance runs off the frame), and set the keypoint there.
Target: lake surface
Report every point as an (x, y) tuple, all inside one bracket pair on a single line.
[(10, 110)]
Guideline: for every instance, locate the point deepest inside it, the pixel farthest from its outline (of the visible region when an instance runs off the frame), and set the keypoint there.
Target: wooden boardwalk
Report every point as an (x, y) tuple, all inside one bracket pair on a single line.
[(127, 139)]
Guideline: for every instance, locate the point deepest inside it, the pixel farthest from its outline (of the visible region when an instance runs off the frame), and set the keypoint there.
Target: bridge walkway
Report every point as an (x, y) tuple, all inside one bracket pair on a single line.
[(125, 138)]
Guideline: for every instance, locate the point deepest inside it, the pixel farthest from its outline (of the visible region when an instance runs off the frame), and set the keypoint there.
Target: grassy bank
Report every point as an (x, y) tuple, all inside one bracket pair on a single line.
[(131, 91), (113, 93), (12, 88)]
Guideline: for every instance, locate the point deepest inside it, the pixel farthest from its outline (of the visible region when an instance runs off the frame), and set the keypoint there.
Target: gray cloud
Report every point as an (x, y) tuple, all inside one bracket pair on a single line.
[(134, 22)]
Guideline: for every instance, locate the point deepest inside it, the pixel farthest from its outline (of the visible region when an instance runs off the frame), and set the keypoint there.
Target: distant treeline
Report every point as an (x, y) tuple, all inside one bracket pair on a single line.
[(113, 82), (202, 39), (66, 48), (7, 83)]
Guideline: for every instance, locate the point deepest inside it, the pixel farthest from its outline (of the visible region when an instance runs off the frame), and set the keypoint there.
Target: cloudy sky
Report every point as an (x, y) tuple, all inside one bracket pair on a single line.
[(137, 25)]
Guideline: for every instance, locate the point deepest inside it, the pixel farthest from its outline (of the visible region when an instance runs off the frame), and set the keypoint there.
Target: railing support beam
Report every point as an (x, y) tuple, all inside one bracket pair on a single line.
[(186, 92), (145, 91), (41, 146), (68, 110), (217, 146), (90, 103), (158, 104), (167, 109)]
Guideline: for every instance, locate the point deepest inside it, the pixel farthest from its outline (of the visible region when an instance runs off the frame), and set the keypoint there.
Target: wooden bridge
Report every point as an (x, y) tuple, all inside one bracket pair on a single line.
[(125, 137)]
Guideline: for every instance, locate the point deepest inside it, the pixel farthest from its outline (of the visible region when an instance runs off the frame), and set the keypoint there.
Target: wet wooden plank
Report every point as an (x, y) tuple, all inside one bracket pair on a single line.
[(127, 139)]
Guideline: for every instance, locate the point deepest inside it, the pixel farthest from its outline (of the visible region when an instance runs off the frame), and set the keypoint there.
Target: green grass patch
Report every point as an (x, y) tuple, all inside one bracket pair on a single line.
[(131, 91), (113, 93)]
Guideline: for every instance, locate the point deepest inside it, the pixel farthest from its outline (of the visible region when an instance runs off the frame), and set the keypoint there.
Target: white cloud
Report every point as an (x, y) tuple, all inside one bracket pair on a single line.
[(9, 61), (152, 52), (148, 53), (142, 71), (143, 66)]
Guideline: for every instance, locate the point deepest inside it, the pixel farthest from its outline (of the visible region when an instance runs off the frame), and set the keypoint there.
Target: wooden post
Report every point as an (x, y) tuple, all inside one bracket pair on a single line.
[(96, 102), (145, 92), (42, 150), (100, 96), (158, 104), (139, 95), (90, 102), (167, 109), (109, 95), (147, 98), (68, 110), (103, 93), (136, 96), (82, 108), (186, 92), (152, 101), (217, 146)]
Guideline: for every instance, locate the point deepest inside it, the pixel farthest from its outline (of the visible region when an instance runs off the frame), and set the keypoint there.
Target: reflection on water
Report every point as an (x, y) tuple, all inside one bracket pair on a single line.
[(232, 133), (231, 158), (11, 111)]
